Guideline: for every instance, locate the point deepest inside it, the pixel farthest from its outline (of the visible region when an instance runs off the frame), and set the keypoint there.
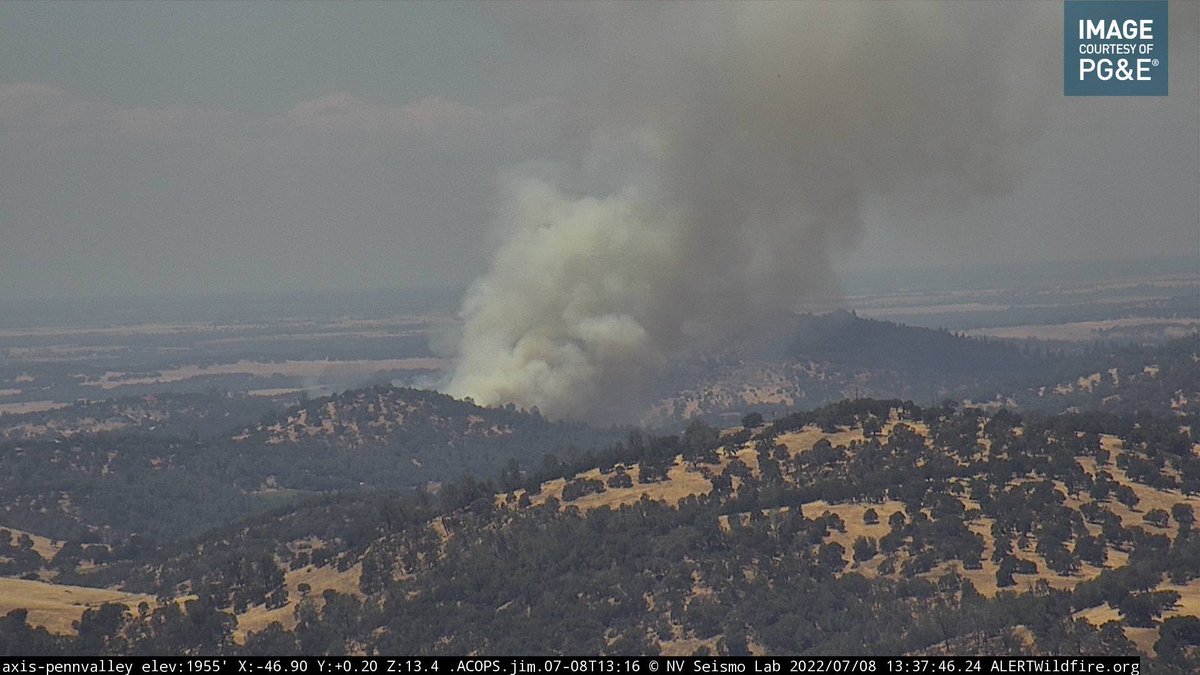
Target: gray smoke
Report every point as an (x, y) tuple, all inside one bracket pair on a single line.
[(732, 148)]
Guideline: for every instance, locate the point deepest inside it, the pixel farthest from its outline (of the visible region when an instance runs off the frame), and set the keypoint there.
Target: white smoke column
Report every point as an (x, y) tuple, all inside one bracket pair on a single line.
[(568, 308), (760, 130)]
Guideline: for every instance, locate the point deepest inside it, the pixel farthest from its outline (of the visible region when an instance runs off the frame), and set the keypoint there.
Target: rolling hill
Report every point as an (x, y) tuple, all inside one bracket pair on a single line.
[(122, 489), (840, 355), (864, 526)]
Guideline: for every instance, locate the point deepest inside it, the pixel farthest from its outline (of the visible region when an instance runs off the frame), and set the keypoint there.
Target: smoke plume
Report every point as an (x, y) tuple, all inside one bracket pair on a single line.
[(730, 149)]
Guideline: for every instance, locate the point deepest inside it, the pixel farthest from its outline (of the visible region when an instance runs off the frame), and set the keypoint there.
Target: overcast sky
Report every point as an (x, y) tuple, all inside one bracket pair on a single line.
[(211, 147)]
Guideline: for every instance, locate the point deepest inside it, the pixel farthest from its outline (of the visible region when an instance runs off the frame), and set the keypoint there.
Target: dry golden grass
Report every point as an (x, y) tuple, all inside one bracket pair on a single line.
[(1189, 598), (852, 515), (984, 579), (682, 481), (43, 546), (685, 480), (25, 407), (320, 579), (1098, 615), (1144, 638), (56, 606), (803, 439), (687, 646), (1149, 498)]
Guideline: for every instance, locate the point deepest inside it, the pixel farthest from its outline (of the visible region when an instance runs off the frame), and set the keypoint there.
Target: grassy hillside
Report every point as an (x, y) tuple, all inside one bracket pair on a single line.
[(1123, 379), (866, 526)]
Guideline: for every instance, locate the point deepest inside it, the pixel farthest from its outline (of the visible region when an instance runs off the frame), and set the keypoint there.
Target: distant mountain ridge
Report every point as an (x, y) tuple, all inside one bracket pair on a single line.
[(846, 339), (841, 355)]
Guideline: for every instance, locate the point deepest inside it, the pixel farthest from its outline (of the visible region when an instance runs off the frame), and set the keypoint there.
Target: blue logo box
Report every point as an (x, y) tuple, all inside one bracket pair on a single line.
[(1115, 48)]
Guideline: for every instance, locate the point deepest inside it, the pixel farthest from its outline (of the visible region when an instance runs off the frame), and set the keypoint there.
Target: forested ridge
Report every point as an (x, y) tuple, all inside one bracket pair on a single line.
[(118, 493), (838, 355)]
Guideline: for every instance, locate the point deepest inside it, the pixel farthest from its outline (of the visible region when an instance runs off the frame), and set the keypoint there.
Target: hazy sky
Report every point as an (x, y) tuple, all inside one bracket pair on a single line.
[(202, 146)]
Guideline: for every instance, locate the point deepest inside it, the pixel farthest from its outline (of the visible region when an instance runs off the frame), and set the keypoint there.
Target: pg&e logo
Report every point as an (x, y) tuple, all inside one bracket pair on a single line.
[(1115, 48)]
